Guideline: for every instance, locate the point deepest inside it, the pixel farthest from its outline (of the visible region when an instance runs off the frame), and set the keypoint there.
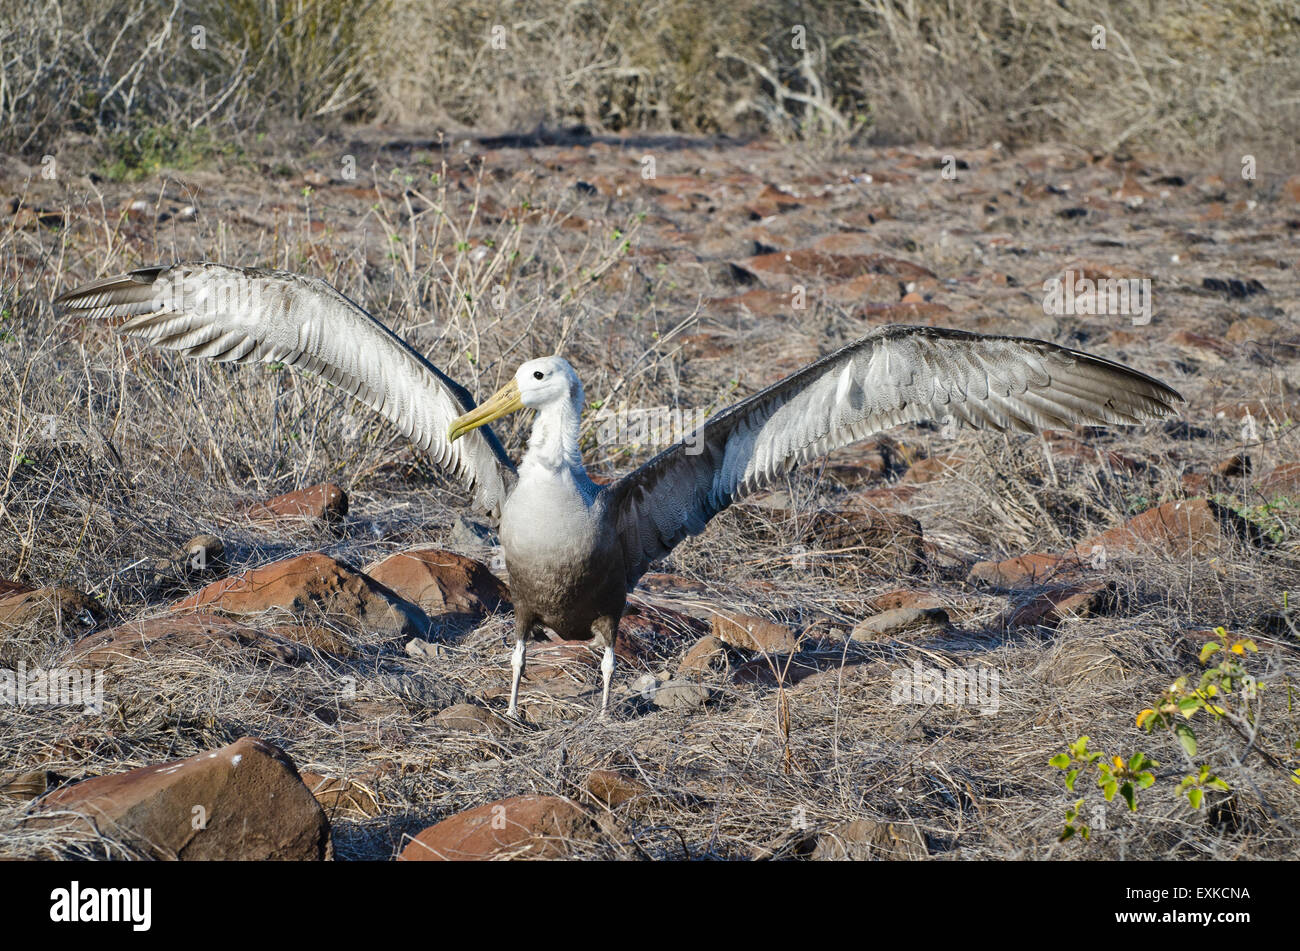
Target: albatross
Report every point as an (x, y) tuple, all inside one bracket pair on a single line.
[(574, 549)]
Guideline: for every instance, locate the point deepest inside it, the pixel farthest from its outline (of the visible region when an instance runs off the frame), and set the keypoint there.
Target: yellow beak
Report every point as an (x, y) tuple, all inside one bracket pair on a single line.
[(503, 401)]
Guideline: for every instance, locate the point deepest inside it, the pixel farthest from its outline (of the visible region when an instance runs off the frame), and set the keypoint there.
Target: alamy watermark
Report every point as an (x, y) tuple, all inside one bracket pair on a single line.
[(208, 296), (651, 426), (960, 686), (1078, 295), (52, 686)]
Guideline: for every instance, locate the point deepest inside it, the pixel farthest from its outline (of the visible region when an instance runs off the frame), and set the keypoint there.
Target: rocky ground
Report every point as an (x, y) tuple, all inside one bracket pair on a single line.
[(280, 594)]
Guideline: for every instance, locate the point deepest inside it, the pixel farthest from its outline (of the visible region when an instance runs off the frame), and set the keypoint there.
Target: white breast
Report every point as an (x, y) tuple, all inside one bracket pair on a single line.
[(549, 517)]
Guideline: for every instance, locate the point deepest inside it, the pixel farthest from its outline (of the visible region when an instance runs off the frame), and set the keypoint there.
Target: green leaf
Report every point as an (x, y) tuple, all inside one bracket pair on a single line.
[(1066, 833), (1209, 649), (1194, 796), (1069, 779), (1145, 780), (1108, 790), (1130, 796), (1186, 737), (1060, 761)]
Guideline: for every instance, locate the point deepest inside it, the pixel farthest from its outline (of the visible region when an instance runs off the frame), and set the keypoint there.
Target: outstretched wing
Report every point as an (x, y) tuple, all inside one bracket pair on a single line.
[(246, 315), (893, 375)]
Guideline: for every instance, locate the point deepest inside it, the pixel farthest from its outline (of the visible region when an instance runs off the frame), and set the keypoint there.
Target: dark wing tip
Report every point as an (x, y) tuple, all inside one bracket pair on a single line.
[(98, 298)]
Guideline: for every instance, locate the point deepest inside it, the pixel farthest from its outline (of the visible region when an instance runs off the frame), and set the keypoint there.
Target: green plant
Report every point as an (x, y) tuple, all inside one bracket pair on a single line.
[(1114, 775), (143, 152), (1274, 517), (1224, 691)]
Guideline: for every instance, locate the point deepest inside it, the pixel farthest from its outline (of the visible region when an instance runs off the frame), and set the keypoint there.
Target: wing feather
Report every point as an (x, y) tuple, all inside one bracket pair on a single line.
[(246, 315), (895, 374)]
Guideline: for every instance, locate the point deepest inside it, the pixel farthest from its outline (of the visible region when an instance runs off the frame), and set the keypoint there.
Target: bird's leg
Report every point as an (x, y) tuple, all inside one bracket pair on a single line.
[(517, 666), (607, 670), (517, 660), (606, 629)]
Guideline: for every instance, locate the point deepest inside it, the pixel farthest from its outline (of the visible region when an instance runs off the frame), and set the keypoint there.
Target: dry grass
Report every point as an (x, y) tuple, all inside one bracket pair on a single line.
[(1184, 76)]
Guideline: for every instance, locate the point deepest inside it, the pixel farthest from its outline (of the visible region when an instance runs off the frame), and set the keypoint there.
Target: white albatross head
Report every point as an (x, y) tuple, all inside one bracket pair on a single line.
[(548, 380), (547, 384)]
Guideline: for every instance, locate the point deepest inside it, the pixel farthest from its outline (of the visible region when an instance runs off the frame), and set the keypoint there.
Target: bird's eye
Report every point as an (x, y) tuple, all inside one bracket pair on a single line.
[(538, 374)]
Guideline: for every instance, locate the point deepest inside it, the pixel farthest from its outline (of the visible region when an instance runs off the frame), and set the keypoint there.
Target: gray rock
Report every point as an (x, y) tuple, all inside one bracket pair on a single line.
[(471, 535), (429, 692), (470, 718), (866, 839), (898, 621), (680, 695), (417, 647)]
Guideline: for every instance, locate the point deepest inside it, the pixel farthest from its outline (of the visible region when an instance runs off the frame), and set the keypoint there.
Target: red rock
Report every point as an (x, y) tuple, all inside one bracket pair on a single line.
[(903, 598), (1025, 569), (310, 584), (1190, 527), (1182, 528), (191, 634), (1049, 608), (316, 636), (846, 242), (326, 502), (1282, 480), (859, 465), (781, 198), (865, 289), (612, 789), (705, 655), (753, 633), (673, 585), (43, 613), (450, 588), (522, 827), (1129, 190), (244, 801)]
